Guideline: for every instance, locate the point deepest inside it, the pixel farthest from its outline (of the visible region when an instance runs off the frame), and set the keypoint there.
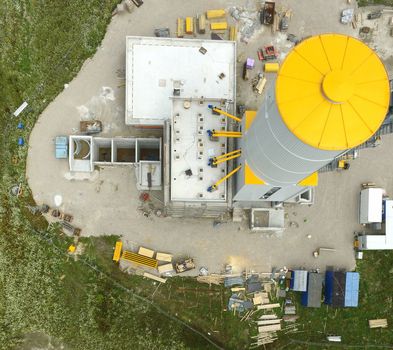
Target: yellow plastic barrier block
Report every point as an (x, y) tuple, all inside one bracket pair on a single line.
[(180, 27), (272, 67), (215, 14), (219, 26), (189, 25), (232, 33)]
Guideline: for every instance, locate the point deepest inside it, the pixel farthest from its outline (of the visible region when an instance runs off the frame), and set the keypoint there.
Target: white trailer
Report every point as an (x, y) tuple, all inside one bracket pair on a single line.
[(371, 205)]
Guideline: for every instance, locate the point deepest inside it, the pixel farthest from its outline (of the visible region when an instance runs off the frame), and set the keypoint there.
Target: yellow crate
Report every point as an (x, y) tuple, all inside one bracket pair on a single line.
[(219, 26), (215, 14), (189, 25)]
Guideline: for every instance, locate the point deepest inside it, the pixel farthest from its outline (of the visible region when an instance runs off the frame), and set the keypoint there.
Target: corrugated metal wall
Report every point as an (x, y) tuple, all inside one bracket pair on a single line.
[(275, 154)]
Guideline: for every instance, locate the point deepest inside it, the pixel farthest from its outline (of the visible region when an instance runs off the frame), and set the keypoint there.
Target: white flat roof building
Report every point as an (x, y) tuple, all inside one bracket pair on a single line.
[(155, 67)]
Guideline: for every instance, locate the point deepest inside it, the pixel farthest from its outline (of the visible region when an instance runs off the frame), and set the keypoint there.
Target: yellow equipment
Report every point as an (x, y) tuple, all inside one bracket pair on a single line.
[(189, 25), (117, 251), (180, 27), (139, 259), (226, 114), (215, 186), (219, 26), (272, 67), (71, 249), (225, 157), (215, 14), (223, 133)]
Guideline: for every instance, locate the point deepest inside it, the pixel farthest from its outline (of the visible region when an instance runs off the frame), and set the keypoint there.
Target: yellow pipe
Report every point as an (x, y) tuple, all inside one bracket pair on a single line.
[(227, 154), (214, 187), (217, 110), (226, 135), (219, 161)]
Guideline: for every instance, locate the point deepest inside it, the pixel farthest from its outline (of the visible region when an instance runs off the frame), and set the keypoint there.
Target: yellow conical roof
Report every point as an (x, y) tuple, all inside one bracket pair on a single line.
[(332, 92)]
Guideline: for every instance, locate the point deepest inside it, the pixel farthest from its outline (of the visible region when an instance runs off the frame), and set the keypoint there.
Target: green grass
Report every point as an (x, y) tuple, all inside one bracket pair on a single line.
[(375, 2)]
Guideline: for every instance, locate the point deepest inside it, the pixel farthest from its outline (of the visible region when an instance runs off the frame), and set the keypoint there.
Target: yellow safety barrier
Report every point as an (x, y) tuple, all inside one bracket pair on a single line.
[(139, 259)]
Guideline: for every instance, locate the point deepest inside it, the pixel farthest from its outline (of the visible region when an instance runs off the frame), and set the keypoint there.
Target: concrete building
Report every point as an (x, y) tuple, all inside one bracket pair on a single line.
[(331, 94)]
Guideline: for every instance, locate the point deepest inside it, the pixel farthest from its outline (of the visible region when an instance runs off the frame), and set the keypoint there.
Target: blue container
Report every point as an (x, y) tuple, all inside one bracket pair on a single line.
[(20, 125), (21, 141)]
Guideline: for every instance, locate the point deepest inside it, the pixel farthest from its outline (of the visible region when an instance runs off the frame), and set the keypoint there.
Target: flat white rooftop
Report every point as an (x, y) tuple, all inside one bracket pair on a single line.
[(157, 66), (191, 150)]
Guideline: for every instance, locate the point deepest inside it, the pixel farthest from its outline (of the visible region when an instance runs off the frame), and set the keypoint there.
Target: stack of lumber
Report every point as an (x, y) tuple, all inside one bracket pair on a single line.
[(379, 323), (211, 279), (261, 298), (268, 325), (268, 306)]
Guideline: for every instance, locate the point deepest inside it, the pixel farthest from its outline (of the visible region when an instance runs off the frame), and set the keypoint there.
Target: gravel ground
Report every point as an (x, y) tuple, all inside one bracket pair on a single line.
[(107, 201)]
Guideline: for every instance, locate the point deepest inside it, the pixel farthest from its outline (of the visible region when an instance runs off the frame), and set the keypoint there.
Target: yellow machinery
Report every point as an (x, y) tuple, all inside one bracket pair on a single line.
[(139, 259), (117, 251), (213, 162), (211, 14), (215, 186), (219, 26), (71, 249), (226, 114), (189, 25), (180, 27), (223, 133)]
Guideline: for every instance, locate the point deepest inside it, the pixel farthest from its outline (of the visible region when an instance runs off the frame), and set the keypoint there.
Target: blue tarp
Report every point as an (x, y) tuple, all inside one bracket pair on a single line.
[(233, 281), (351, 289)]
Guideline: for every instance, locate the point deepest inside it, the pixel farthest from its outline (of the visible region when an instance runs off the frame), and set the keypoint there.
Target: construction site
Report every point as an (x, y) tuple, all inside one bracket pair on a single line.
[(242, 143)]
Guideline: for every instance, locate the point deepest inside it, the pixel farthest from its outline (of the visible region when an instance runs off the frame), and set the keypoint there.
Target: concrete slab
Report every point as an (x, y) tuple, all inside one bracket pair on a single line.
[(106, 202)]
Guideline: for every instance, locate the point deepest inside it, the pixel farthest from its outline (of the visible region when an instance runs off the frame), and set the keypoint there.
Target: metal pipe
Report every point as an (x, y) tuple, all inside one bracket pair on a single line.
[(227, 176), (227, 154), (226, 114), (219, 161)]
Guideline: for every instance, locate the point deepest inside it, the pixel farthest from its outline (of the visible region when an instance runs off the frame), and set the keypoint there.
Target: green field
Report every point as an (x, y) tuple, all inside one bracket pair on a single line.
[(375, 2), (90, 304)]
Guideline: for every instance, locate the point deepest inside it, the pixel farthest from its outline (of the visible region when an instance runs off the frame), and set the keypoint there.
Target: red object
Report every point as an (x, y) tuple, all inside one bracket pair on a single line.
[(144, 197), (260, 55), (270, 52)]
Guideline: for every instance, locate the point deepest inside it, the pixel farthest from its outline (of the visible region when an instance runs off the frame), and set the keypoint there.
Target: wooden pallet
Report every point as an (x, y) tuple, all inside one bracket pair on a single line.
[(379, 323)]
